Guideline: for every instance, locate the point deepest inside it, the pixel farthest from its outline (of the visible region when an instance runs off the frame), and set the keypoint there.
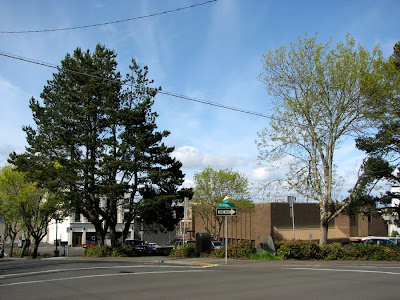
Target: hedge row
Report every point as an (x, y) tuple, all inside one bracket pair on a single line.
[(108, 251), (186, 250), (303, 250), (240, 250)]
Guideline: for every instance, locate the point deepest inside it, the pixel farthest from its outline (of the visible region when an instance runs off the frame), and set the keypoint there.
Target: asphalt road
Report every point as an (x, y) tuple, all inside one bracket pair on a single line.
[(164, 278)]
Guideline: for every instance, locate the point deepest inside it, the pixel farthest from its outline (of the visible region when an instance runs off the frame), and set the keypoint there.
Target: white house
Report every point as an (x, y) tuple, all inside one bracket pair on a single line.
[(78, 231), (395, 203)]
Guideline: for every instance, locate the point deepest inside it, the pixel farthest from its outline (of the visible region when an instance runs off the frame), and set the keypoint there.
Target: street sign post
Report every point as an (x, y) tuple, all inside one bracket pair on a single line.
[(226, 211)]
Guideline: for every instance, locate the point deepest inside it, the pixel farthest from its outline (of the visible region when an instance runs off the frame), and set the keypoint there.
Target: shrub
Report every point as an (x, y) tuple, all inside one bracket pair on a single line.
[(336, 251), (239, 250), (187, 250), (124, 250), (333, 251), (18, 252), (98, 251), (299, 250)]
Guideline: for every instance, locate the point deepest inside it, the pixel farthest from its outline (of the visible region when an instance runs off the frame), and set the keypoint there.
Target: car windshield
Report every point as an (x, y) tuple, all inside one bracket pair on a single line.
[(134, 242)]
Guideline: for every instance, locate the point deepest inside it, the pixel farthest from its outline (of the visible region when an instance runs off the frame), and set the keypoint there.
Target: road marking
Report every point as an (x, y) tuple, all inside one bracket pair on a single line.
[(103, 275), (91, 268), (343, 270)]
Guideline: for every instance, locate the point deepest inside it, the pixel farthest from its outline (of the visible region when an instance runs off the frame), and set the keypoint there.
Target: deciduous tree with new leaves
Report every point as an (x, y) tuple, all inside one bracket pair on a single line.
[(211, 187), (317, 96)]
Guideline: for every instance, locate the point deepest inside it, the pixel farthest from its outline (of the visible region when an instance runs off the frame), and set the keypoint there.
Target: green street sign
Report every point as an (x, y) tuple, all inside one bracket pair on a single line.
[(225, 205)]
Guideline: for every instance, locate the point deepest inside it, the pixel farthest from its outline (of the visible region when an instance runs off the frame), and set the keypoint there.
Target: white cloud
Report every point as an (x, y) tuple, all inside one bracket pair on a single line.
[(193, 158), (190, 157), (259, 174)]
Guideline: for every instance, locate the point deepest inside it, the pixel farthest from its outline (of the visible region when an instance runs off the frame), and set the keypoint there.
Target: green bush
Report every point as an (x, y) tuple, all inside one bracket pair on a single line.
[(395, 233), (239, 250), (18, 252), (303, 250), (333, 251), (187, 250), (299, 250), (107, 251), (98, 251), (124, 250)]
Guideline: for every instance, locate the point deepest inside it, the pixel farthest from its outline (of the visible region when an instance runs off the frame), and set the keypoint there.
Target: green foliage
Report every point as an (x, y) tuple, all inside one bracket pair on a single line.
[(317, 100), (98, 251), (185, 251), (303, 250), (27, 252), (239, 250), (394, 233), (94, 137), (108, 251), (25, 205), (211, 188), (382, 148), (299, 250), (124, 250), (333, 251)]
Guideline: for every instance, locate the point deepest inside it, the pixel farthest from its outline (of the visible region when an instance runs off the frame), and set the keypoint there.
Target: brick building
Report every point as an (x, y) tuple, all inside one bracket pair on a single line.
[(274, 220)]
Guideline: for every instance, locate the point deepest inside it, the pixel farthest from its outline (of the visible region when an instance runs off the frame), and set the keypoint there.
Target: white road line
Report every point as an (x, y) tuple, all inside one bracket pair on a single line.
[(102, 275), (93, 268), (342, 270)]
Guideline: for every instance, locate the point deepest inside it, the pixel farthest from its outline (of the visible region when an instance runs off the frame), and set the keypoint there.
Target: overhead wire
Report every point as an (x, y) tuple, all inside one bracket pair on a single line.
[(45, 64), (109, 23)]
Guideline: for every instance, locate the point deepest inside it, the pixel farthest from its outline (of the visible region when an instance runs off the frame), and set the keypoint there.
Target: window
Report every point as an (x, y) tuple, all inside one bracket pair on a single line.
[(77, 218)]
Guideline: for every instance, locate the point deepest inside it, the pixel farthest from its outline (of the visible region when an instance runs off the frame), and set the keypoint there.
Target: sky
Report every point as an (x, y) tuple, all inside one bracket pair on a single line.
[(211, 52)]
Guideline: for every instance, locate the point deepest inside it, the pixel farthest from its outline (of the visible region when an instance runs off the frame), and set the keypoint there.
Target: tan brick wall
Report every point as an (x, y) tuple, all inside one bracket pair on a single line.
[(273, 219)]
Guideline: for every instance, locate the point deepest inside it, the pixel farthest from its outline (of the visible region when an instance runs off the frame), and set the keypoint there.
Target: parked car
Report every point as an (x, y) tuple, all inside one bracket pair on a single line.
[(152, 248), (217, 244), (138, 246), (90, 244), (378, 241), (180, 242)]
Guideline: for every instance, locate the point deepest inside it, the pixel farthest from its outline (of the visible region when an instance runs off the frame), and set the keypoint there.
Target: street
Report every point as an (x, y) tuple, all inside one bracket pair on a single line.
[(156, 278)]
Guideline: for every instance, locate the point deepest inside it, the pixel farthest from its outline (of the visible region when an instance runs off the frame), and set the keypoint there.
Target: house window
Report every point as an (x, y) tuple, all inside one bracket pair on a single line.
[(77, 218)]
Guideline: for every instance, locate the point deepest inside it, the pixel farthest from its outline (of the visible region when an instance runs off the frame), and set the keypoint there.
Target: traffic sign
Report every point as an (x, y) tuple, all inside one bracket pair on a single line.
[(226, 211)]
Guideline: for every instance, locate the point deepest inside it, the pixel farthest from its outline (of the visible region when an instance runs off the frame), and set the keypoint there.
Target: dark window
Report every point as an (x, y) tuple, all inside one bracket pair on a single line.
[(77, 217)]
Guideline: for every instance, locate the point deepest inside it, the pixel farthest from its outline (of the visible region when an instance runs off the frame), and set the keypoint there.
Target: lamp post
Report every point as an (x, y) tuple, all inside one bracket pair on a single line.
[(56, 252)]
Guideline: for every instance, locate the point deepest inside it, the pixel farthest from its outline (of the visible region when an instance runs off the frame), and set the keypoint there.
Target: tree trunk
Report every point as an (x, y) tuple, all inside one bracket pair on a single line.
[(24, 248), (100, 237), (3, 242), (113, 237), (12, 236), (35, 250), (324, 232)]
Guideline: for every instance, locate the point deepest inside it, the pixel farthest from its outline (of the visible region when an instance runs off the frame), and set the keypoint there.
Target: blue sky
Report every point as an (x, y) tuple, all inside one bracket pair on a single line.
[(212, 52)]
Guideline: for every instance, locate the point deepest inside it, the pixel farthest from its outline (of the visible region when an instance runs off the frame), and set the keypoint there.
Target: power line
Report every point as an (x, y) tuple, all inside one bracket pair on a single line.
[(215, 104), (108, 23), (29, 60)]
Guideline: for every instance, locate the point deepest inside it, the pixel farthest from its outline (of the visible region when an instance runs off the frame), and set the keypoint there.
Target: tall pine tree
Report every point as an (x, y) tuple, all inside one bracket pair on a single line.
[(96, 142)]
